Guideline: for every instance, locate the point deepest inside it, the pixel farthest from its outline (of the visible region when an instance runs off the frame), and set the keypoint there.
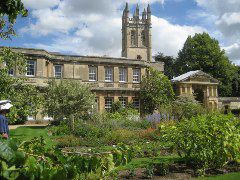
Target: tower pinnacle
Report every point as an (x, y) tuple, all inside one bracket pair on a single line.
[(144, 14), (137, 12)]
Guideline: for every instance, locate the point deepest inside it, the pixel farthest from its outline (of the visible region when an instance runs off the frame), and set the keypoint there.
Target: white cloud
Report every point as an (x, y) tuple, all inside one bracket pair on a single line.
[(169, 38), (227, 15), (146, 1), (40, 4), (227, 21), (220, 7), (49, 22), (229, 24), (94, 31), (233, 51)]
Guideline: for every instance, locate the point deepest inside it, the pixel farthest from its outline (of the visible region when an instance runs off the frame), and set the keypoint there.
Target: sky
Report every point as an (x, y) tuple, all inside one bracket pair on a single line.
[(93, 27)]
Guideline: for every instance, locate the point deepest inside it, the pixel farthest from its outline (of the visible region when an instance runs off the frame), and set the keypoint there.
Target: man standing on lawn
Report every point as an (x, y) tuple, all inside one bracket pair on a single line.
[(5, 106)]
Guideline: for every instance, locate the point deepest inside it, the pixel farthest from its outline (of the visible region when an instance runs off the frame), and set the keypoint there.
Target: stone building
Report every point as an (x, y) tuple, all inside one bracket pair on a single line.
[(203, 86), (111, 79)]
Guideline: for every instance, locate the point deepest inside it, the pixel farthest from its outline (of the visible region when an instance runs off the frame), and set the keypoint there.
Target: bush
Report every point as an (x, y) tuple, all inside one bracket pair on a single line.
[(207, 141), (185, 106), (68, 141), (59, 130)]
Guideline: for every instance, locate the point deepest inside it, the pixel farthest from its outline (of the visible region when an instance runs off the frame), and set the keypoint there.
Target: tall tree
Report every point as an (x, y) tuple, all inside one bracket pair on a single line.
[(168, 64), (156, 91), (25, 97), (201, 52), (68, 98), (9, 10)]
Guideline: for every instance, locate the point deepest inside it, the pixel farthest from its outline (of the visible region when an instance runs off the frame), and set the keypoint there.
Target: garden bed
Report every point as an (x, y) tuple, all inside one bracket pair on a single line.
[(168, 168)]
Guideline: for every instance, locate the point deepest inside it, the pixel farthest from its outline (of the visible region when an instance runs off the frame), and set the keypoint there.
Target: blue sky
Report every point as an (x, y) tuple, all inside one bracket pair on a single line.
[(93, 27)]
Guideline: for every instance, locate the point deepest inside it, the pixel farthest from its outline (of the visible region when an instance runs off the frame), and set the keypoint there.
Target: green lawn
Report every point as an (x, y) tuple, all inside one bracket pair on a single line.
[(27, 133), (231, 176)]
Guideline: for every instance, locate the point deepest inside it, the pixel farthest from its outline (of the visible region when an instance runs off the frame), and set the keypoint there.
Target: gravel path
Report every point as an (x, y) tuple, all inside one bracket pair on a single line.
[(25, 125)]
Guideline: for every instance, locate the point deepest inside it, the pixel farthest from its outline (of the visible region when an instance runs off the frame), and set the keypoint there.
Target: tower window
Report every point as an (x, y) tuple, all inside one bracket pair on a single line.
[(143, 38), (133, 38), (139, 57)]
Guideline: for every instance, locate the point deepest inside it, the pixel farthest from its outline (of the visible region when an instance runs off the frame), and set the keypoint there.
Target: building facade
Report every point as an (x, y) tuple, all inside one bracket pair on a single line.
[(203, 86), (111, 79)]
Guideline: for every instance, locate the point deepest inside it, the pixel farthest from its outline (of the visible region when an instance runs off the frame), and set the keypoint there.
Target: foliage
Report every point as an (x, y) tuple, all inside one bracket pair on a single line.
[(26, 98), (32, 160), (169, 70), (201, 52), (116, 107), (9, 10), (156, 91), (185, 107), (149, 171), (207, 141), (104, 129), (66, 98)]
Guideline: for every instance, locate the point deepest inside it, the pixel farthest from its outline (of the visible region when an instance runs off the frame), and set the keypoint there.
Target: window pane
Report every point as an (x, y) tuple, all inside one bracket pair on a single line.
[(31, 68), (122, 75), (108, 74), (108, 103), (133, 38), (136, 103), (58, 71), (92, 73), (136, 75), (143, 38), (123, 101)]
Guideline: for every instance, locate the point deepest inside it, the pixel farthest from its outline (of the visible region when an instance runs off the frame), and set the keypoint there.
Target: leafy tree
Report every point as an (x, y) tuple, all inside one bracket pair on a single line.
[(201, 52), (156, 91), (168, 64), (68, 99), (25, 97), (9, 10)]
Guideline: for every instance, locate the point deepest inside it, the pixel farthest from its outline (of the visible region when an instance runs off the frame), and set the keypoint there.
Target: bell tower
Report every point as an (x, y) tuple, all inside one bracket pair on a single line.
[(136, 34)]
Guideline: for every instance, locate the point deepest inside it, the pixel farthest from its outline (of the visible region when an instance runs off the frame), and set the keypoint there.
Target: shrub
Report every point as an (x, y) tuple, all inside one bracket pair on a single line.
[(68, 141), (61, 129), (122, 136), (207, 141), (185, 106)]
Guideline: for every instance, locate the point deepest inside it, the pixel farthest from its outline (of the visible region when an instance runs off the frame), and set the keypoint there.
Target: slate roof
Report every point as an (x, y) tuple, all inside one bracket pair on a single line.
[(185, 76), (191, 74)]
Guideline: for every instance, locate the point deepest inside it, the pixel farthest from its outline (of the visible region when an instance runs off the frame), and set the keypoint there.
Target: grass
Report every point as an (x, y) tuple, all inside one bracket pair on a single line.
[(231, 176), (27, 133), (145, 162)]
